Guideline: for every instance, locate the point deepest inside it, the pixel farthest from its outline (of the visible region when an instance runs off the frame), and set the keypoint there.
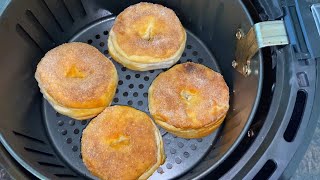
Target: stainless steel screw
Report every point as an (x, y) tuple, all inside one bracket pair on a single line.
[(250, 133), (239, 34), (234, 64), (246, 70)]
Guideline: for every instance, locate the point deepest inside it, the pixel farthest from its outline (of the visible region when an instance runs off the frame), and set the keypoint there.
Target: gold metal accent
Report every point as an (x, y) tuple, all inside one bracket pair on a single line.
[(263, 34)]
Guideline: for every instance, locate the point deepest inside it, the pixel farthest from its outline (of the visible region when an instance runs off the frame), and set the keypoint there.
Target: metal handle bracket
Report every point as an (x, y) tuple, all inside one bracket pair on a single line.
[(263, 34)]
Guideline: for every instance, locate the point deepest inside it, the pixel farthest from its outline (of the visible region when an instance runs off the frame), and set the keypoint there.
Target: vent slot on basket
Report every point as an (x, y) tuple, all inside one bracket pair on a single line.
[(60, 12), (51, 165), (266, 171), (39, 26), (26, 36), (75, 9), (28, 137), (38, 152), (65, 175), (67, 10), (46, 8), (296, 116)]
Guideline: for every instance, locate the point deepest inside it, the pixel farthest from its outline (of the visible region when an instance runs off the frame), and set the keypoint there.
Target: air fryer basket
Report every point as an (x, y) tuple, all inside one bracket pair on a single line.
[(48, 144)]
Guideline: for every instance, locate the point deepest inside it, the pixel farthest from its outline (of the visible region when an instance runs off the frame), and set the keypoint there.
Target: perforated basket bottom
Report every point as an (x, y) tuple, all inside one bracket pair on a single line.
[(182, 154)]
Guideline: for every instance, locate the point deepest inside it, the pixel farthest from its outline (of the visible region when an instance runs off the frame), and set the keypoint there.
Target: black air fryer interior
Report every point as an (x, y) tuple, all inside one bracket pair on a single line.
[(47, 143)]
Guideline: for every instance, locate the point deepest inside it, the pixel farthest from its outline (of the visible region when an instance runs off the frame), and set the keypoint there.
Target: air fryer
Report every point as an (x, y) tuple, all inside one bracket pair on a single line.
[(272, 108)]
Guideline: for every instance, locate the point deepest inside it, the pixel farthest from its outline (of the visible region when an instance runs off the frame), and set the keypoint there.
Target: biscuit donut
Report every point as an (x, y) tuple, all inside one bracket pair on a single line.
[(147, 36), (77, 80), (189, 100), (122, 143)]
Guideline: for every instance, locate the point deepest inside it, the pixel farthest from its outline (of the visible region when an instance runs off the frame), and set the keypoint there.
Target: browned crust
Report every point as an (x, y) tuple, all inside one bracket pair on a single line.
[(208, 102), (139, 150), (191, 133), (166, 32), (95, 89)]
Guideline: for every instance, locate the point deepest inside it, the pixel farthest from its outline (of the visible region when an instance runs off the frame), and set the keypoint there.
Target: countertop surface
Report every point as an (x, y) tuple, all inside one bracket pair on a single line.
[(3, 174), (309, 167)]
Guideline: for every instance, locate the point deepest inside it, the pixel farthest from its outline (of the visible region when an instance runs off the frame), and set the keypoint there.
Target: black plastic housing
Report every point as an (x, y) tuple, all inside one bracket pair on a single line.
[(28, 29)]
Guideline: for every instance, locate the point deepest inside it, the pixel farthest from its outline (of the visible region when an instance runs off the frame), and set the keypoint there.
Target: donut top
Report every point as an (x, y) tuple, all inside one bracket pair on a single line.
[(120, 143), (188, 96), (77, 75), (147, 29)]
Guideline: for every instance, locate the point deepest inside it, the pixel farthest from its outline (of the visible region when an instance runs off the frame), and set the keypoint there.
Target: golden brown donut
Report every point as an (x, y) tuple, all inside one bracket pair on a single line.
[(122, 143), (77, 80), (189, 100), (147, 36)]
